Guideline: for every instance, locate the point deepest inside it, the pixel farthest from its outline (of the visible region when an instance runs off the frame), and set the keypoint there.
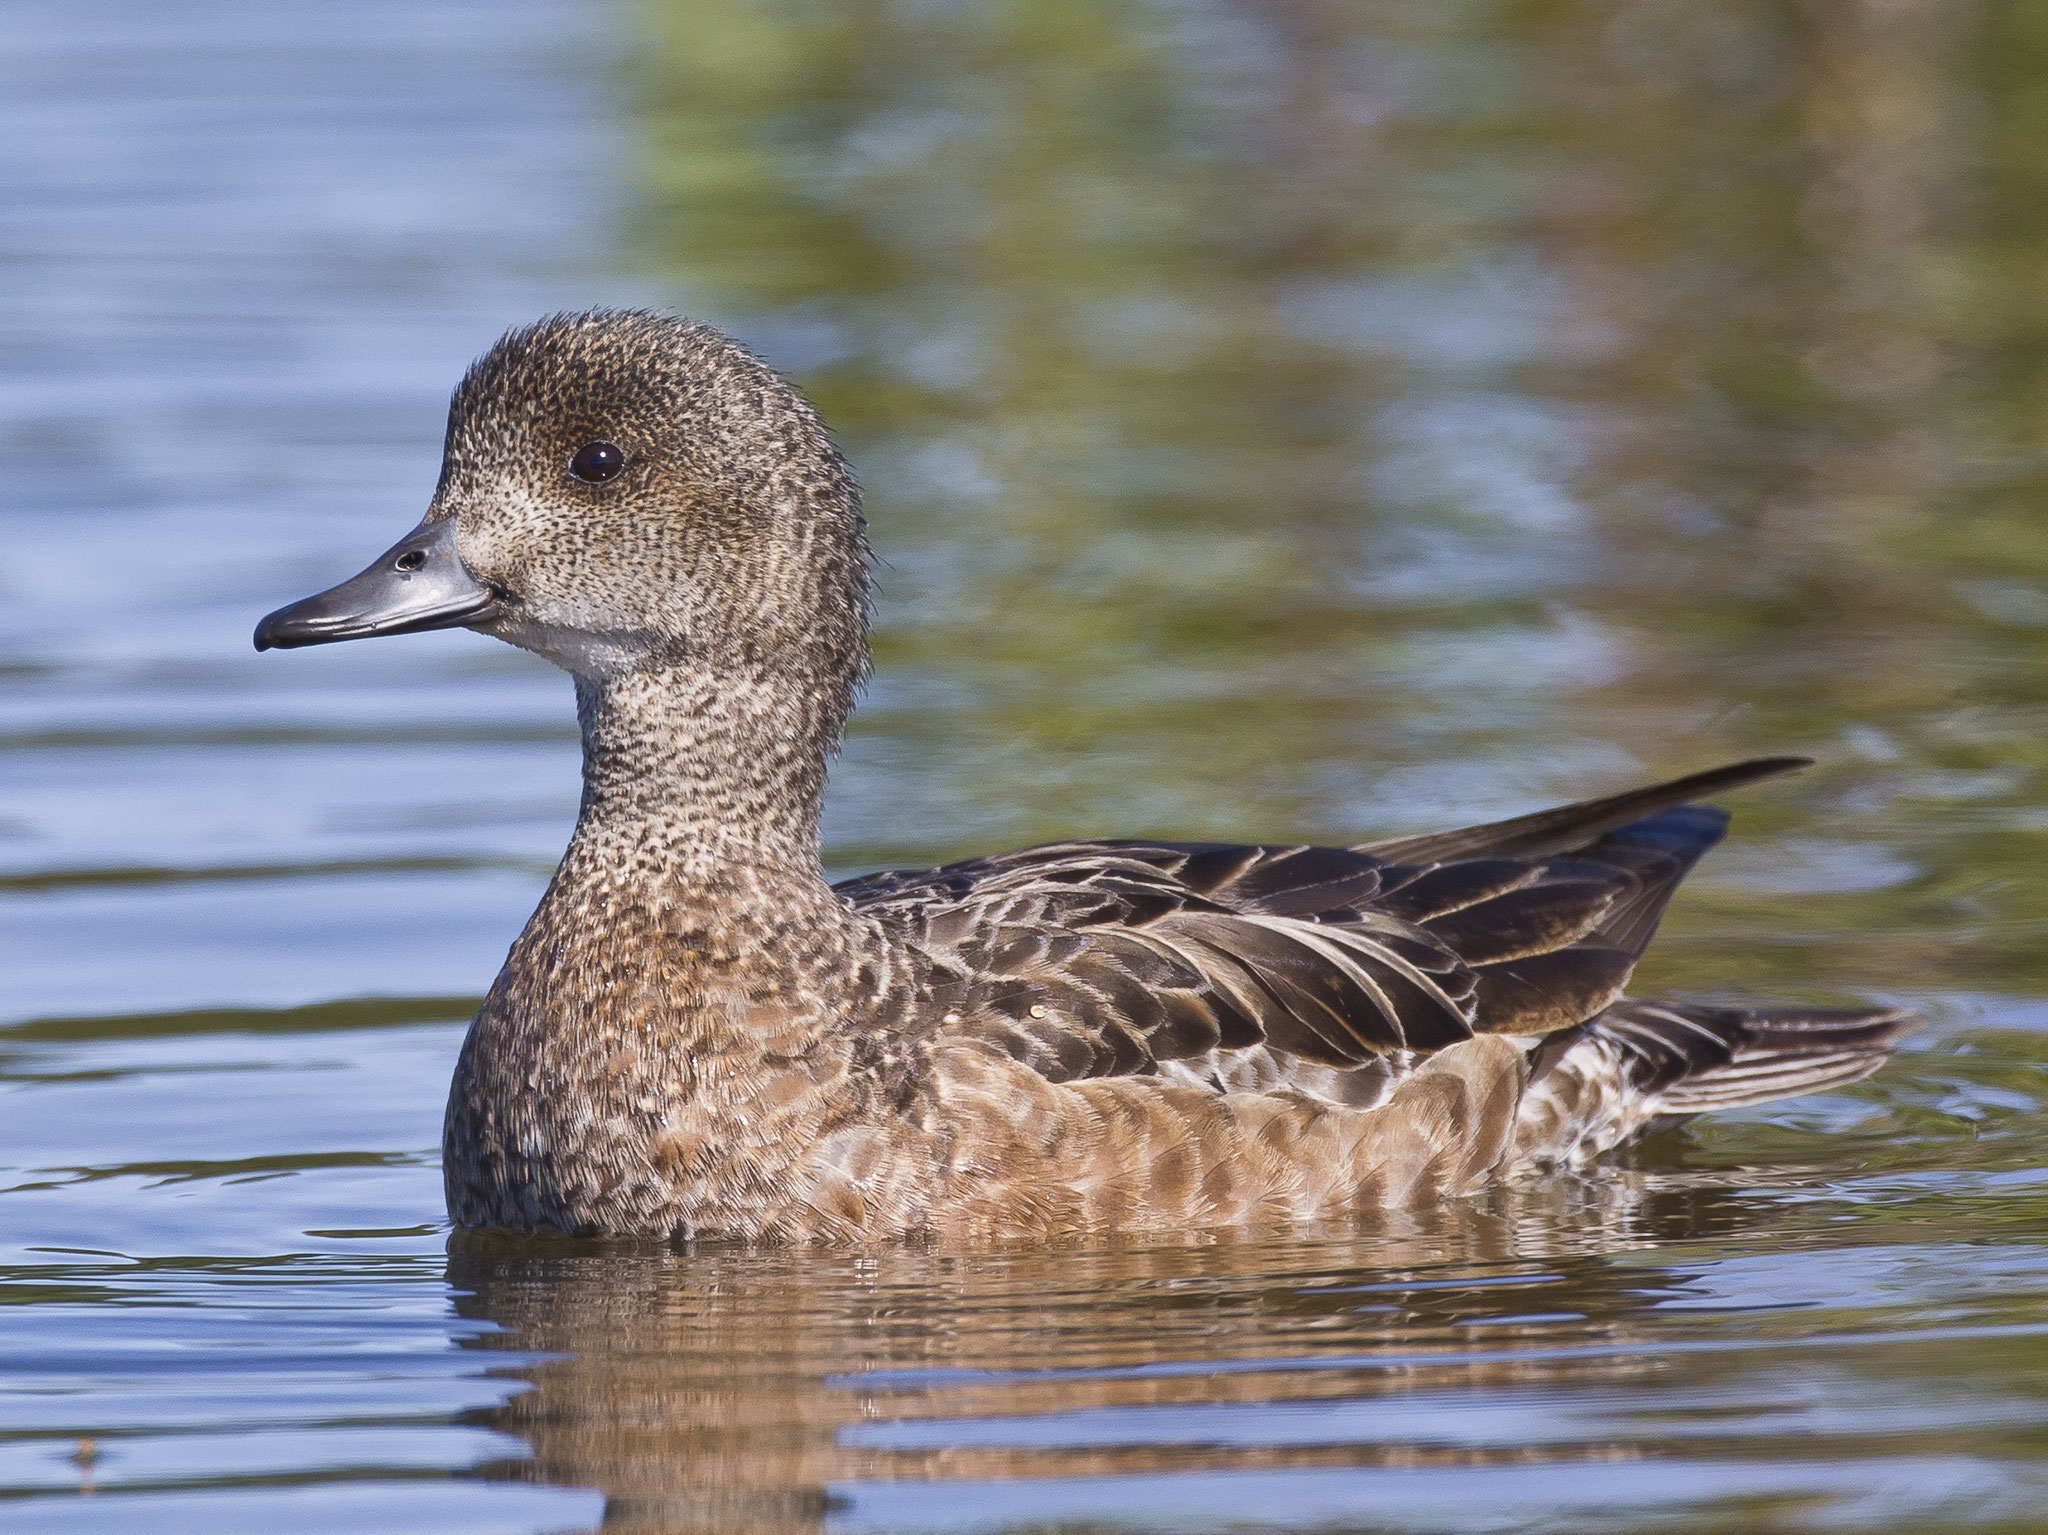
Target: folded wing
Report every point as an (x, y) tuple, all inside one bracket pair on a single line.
[(1325, 969)]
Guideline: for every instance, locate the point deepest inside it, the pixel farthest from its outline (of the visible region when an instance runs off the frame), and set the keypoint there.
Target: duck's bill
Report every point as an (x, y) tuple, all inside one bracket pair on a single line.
[(418, 583)]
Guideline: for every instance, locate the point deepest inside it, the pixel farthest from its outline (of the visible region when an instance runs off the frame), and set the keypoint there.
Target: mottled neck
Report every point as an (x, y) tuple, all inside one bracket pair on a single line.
[(701, 783), (667, 1027)]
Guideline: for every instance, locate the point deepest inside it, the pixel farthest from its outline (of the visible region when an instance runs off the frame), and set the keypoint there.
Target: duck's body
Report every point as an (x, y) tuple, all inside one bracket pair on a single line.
[(696, 1034), (1092, 1036)]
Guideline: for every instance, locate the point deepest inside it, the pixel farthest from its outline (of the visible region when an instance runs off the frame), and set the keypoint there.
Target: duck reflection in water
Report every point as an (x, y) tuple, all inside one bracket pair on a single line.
[(729, 1389), (696, 1035)]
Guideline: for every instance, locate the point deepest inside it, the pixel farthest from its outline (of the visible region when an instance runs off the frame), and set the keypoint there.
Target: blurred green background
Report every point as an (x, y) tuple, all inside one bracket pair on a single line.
[(1298, 420)]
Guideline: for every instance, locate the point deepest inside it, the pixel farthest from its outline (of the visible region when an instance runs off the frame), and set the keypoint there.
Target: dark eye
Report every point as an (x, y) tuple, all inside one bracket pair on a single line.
[(597, 462)]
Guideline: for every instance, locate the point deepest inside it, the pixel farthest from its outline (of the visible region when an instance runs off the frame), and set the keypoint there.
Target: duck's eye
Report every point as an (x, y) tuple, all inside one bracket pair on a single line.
[(596, 462)]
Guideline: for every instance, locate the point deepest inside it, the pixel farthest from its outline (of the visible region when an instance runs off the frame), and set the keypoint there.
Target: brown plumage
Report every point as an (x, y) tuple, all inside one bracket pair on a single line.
[(695, 1033)]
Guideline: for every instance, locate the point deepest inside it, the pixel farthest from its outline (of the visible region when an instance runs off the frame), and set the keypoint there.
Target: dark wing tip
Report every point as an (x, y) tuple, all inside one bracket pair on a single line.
[(1573, 826)]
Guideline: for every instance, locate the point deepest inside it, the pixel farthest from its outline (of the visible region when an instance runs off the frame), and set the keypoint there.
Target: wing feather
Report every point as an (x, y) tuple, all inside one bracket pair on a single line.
[(1236, 964), (1574, 826)]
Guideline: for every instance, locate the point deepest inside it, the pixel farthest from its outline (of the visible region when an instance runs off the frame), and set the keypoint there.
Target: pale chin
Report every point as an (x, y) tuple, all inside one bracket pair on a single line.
[(593, 657)]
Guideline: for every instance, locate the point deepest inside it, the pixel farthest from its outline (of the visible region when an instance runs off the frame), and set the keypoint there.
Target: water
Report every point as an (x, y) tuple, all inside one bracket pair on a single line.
[(1289, 422)]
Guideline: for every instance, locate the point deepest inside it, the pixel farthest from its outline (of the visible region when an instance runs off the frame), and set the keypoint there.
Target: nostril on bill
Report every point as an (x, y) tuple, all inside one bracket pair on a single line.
[(411, 560)]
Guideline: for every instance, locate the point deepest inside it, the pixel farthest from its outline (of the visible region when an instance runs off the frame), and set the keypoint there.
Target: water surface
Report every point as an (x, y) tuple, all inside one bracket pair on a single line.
[(1302, 422)]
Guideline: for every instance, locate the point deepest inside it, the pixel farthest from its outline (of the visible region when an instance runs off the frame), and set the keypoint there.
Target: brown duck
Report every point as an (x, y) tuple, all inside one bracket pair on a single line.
[(697, 1034)]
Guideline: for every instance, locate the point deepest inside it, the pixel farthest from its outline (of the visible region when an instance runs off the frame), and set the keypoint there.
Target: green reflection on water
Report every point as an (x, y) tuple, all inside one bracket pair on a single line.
[(1308, 421)]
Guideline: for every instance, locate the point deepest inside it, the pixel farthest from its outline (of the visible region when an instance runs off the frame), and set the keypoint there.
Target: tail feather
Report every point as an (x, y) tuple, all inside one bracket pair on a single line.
[(1594, 1086), (1781, 1052)]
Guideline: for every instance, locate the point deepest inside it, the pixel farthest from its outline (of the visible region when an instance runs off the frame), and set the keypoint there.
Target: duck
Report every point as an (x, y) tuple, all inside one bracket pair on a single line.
[(698, 1035)]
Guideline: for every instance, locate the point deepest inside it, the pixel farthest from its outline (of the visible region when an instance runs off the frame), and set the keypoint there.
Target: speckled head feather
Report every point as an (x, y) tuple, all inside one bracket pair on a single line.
[(695, 1033), (731, 541)]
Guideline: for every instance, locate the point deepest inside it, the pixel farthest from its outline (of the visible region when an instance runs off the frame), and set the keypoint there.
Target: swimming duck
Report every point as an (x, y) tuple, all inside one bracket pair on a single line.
[(697, 1034)]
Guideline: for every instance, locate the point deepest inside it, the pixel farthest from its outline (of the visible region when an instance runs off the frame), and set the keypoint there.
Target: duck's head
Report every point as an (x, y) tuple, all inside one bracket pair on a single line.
[(621, 492)]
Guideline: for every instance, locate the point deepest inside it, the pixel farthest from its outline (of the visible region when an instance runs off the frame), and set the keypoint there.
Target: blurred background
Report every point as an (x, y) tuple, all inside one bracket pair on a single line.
[(1280, 419)]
